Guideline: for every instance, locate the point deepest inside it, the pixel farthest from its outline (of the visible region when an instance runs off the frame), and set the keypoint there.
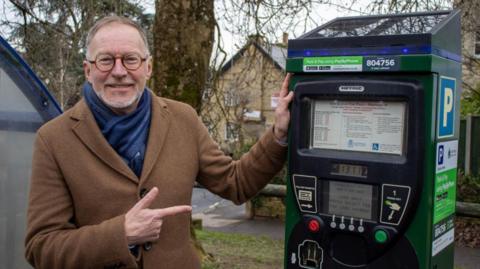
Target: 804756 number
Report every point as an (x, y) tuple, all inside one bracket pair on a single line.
[(381, 62)]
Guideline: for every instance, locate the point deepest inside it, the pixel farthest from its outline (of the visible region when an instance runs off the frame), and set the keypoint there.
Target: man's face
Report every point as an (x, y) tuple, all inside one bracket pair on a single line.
[(119, 88)]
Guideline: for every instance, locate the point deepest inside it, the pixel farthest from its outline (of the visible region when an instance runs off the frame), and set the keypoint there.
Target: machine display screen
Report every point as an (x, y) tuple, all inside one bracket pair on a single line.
[(349, 170), (351, 200), (365, 126)]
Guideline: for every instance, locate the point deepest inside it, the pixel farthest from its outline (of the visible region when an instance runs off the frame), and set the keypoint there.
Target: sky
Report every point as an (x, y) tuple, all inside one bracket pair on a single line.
[(231, 43), (320, 13)]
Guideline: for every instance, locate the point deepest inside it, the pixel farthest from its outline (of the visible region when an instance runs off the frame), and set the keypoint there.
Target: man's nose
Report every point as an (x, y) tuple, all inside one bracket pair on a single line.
[(118, 69)]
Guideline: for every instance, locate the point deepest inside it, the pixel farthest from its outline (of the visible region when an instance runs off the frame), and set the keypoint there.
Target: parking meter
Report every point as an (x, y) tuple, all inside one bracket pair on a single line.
[(373, 143)]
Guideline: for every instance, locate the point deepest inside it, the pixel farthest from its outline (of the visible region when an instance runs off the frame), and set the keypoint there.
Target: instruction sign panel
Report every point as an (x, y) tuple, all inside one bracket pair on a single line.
[(445, 192), (443, 235), (446, 107), (445, 195), (333, 64), (445, 180), (367, 126), (447, 156), (351, 63)]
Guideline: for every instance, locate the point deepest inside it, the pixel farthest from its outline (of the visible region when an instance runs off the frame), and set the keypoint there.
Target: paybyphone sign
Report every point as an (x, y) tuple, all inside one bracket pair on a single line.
[(446, 105)]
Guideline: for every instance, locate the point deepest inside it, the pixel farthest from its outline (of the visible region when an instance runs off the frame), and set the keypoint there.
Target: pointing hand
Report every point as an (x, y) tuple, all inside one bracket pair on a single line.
[(143, 224)]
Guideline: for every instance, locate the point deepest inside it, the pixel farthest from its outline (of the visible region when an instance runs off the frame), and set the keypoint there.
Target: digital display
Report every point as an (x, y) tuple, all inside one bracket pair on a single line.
[(351, 200), (349, 170), (364, 126)]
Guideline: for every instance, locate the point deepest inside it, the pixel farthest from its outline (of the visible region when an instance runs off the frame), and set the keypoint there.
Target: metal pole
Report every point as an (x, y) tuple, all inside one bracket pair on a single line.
[(468, 144)]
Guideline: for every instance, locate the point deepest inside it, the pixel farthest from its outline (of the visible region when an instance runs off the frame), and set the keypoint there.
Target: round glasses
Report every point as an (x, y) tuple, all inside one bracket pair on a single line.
[(106, 62)]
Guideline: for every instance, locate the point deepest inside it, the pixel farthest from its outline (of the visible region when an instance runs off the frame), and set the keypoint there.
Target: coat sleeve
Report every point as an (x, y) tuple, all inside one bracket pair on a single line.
[(53, 240), (242, 179)]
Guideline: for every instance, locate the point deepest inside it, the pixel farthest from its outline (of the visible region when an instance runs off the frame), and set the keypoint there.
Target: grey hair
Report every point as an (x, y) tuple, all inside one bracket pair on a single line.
[(115, 19)]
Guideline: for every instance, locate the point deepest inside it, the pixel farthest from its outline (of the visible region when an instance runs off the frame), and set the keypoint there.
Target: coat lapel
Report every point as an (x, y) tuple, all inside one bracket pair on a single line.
[(89, 133), (159, 126)]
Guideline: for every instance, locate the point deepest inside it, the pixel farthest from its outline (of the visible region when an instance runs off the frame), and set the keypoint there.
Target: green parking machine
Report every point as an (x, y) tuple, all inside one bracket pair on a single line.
[(373, 143)]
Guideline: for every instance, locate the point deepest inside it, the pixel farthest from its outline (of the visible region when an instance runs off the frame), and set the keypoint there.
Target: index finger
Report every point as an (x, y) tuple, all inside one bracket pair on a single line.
[(171, 211), (284, 89), (147, 200)]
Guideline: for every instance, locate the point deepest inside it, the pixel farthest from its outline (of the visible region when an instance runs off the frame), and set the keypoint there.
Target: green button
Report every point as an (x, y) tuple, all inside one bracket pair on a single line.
[(381, 236)]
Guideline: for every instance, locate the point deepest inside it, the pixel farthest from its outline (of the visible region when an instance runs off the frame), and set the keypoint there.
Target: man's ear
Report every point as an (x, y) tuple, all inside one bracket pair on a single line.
[(86, 70), (149, 67)]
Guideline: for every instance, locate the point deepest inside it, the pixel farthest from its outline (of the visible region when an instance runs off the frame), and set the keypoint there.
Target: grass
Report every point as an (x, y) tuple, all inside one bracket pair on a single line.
[(238, 251)]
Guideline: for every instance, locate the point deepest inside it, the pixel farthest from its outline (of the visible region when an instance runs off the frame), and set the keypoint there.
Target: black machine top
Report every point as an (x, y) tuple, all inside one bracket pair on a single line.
[(401, 24), (412, 33)]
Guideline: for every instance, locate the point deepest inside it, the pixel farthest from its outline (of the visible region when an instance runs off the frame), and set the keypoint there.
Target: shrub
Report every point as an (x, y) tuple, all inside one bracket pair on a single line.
[(468, 188)]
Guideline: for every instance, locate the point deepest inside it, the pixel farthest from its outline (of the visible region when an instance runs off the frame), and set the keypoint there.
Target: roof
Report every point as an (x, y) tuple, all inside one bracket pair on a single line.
[(276, 53), (18, 71)]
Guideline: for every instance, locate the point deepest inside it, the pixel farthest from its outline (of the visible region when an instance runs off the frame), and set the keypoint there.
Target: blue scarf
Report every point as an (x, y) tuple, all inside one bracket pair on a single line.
[(127, 134)]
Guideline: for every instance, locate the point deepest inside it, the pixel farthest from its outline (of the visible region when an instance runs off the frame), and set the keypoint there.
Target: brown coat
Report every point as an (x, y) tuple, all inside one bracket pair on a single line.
[(81, 188)]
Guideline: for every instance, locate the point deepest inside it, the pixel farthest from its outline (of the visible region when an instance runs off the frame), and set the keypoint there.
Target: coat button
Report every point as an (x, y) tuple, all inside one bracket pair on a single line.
[(143, 192), (147, 246)]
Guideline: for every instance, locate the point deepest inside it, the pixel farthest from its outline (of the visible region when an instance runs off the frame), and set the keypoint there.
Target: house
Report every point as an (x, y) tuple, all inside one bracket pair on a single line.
[(240, 106), (471, 44)]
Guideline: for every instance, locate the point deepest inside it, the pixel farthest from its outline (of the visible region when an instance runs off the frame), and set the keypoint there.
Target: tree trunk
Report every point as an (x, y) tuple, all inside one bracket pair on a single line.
[(183, 35), (183, 40)]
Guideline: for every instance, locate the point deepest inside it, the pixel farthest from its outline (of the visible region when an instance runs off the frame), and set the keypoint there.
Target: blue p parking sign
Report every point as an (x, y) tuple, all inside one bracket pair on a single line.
[(446, 105), (440, 154)]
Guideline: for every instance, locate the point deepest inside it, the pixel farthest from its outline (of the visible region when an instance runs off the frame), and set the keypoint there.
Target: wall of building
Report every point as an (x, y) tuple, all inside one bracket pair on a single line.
[(243, 96), (470, 37)]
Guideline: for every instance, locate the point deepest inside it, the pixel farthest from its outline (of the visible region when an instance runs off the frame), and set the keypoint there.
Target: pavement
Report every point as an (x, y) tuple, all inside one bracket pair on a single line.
[(221, 215)]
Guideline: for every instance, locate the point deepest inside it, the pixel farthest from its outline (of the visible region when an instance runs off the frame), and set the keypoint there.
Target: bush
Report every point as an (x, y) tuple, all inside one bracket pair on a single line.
[(468, 188), (470, 103)]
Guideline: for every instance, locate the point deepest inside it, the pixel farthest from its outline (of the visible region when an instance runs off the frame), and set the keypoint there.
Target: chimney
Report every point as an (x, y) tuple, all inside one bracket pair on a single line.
[(259, 39), (285, 39)]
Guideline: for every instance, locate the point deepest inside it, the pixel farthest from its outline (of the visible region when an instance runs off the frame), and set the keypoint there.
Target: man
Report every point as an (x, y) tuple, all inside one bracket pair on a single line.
[(112, 177)]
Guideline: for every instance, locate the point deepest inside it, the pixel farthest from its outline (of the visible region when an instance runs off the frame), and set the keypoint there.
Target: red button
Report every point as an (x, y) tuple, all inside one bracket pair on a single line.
[(314, 226)]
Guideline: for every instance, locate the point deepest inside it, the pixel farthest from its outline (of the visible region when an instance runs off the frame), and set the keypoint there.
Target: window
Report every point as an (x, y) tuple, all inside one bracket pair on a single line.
[(210, 127), (231, 98), (207, 93), (477, 44), (231, 132)]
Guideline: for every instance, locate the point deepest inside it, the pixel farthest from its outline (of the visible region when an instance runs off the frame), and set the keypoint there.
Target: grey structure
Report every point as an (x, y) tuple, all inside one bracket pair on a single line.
[(25, 105)]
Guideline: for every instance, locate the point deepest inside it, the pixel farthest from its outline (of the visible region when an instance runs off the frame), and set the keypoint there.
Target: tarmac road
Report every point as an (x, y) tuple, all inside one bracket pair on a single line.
[(221, 215)]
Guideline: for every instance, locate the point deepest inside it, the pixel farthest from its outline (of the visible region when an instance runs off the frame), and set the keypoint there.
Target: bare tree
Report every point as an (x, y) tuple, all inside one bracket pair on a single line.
[(51, 36), (406, 6), (183, 41)]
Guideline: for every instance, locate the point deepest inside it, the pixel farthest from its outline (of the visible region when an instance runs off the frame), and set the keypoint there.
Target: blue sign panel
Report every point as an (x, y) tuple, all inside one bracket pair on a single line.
[(446, 107), (440, 155)]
